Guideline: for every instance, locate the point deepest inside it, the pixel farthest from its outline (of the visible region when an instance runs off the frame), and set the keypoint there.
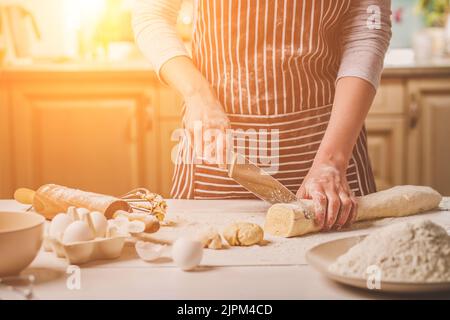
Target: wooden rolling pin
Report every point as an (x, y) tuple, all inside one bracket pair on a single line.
[(297, 218), (51, 199)]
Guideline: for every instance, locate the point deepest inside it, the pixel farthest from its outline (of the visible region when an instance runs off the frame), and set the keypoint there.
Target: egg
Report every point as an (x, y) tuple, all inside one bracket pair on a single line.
[(100, 223), (187, 253), (58, 225), (76, 232)]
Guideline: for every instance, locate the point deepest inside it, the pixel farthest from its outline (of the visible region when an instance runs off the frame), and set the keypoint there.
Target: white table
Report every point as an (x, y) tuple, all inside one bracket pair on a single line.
[(251, 282)]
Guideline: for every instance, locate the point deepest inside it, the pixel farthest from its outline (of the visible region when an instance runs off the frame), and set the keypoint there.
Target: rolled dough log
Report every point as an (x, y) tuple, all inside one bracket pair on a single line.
[(291, 219)]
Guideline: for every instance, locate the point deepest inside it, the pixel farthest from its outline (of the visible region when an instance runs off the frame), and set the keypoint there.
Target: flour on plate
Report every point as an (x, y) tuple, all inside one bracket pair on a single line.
[(416, 251)]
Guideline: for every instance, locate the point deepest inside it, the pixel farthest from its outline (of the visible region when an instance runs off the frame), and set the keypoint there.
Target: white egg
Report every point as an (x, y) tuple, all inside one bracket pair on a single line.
[(187, 253), (59, 224), (76, 232), (100, 223)]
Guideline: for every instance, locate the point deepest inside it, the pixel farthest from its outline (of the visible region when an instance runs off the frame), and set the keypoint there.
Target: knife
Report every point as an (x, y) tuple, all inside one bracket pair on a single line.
[(257, 181)]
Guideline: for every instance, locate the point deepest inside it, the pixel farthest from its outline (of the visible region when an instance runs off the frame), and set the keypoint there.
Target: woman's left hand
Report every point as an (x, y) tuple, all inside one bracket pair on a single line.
[(335, 205)]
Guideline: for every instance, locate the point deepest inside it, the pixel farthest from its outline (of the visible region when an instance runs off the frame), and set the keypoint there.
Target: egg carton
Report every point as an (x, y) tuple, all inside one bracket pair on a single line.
[(108, 243), (87, 251)]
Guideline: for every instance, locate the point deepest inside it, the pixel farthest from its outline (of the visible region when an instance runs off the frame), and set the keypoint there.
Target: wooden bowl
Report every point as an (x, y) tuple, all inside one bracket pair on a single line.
[(21, 236)]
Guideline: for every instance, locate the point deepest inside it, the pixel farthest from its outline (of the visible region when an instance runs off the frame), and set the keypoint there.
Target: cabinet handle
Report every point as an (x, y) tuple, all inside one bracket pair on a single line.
[(414, 112)]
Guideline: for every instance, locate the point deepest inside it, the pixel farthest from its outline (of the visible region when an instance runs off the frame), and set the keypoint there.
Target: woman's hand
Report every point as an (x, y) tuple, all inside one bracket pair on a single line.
[(205, 116), (335, 205), (203, 109)]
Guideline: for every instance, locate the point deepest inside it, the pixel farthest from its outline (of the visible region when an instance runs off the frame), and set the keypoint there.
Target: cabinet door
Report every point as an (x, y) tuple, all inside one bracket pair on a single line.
[(389, 98), (168, 154), (169, 121), (81, 136), (430, 118), (386, 149), (6, 188)]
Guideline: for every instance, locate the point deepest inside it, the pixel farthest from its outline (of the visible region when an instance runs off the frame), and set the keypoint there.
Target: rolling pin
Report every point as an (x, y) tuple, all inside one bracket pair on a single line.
[(51, 199), (297, 218)]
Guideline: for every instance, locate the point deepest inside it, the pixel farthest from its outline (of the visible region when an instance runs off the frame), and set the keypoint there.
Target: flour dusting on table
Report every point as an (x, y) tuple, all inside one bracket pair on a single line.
[(417, 251)]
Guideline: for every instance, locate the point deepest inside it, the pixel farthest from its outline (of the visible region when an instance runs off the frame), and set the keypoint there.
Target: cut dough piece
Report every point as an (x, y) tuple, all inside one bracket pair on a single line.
[(291, 220), (243, 234), (211, 240)]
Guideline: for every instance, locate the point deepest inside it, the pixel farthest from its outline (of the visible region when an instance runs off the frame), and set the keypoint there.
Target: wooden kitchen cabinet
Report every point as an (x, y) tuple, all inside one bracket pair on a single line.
[(386, 143), (93, 134), (385, 126), (6, 183), (429, 119)]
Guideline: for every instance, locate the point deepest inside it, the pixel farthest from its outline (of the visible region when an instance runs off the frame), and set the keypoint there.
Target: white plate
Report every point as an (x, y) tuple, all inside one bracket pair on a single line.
[(322, 256)]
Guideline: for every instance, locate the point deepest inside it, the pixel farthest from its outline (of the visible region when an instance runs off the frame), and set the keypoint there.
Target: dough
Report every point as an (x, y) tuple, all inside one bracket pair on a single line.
[(243, 234), (291, 220), (211, 240)]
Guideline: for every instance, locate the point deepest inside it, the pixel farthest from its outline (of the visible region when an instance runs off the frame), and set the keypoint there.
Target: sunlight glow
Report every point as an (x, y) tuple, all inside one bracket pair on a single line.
[(78, 12)]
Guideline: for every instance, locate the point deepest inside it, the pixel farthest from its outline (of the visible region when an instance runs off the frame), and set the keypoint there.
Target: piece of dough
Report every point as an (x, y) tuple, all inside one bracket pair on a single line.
[(291, 220), (243, 234), (211, 240)]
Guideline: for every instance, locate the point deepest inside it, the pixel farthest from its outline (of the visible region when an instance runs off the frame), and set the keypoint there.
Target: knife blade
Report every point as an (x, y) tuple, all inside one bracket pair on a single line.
[(258, 181)]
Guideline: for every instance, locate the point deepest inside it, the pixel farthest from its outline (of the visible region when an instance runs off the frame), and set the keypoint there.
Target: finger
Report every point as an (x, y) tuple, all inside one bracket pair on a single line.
[(334, 205), (301, 193), (353, 212), (320, 207), (345, 210)]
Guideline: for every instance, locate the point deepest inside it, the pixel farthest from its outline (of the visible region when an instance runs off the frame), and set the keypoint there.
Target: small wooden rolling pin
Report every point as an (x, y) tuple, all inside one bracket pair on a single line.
[(297, 218), (51, 199)]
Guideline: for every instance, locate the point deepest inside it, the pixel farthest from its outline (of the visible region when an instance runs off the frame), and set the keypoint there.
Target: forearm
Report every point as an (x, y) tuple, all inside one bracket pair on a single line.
[(352, 102), (182, 75)]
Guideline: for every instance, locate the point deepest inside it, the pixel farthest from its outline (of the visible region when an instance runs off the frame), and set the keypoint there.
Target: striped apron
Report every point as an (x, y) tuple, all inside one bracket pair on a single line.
[(273, 65)]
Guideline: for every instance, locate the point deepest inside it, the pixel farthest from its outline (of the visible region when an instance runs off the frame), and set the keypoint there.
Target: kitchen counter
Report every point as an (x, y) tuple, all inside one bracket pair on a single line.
[(432, 68), (109, 281)]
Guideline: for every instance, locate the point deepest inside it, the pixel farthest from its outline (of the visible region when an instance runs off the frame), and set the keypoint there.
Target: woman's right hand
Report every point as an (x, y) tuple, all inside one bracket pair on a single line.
[(205, 115), (201, 103), (203, 107)]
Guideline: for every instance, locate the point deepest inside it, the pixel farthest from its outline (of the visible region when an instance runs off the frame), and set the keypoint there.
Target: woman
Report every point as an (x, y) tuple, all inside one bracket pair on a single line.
[(308, 69)]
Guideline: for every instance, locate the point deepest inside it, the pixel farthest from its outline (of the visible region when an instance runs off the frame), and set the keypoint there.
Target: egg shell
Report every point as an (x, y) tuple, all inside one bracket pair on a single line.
[(59, 224), (187, 253), (76, 232), (148, 251), (100, 223)]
